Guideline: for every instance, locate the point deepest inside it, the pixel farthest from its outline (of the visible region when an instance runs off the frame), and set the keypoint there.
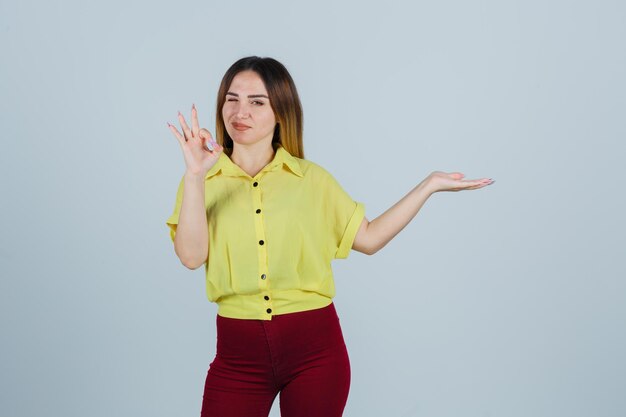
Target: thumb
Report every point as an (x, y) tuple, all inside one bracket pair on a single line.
[(206, 138), (457, 175)]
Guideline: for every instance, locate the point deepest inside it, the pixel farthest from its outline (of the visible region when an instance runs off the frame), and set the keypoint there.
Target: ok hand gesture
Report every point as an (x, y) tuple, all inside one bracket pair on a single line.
[(200, 150)]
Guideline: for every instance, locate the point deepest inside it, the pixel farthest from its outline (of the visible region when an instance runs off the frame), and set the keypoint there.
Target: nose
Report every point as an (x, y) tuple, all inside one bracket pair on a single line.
[(243, 110)]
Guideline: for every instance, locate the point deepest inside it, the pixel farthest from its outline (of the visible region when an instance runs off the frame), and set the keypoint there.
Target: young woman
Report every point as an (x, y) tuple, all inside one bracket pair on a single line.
[(266, 223)]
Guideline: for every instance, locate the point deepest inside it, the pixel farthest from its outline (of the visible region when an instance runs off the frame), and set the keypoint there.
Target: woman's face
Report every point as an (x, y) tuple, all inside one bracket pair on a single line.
[(248, 116)]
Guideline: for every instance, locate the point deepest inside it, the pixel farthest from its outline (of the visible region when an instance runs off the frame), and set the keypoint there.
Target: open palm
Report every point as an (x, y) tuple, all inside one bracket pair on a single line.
[(453, 181)]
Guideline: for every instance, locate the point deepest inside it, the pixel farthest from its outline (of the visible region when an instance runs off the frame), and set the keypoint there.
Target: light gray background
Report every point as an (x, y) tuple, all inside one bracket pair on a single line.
[(506, 301)]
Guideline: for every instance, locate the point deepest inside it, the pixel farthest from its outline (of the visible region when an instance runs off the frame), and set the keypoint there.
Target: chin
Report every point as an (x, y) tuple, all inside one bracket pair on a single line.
[(243, 138)]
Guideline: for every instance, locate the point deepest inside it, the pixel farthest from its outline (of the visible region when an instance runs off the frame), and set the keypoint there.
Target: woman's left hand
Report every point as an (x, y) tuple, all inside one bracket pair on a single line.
[(453, 181)]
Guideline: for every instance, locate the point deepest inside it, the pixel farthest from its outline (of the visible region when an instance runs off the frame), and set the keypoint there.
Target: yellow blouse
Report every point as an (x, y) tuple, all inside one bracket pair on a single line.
[(272, 236)]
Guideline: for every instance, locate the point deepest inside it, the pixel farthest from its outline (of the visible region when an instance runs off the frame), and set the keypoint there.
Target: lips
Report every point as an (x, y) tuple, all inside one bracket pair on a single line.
[(240, 126)]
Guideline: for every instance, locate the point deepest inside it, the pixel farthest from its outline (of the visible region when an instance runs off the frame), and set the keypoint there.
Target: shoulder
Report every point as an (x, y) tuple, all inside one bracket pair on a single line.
[(312, 170), (320, 179)]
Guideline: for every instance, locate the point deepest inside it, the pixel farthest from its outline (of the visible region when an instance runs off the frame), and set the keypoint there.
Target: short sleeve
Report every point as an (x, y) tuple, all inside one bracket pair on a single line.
[(172, 221), (343, 216)]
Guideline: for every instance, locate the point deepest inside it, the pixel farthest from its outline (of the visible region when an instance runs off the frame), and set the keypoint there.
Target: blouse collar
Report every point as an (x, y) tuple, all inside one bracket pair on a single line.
[(281, 157)]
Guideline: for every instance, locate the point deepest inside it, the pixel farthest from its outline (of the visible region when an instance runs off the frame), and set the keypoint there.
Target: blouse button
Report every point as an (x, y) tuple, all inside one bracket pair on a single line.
[(269, 310), (255, 184), (266, 298), (258, 210), (261, 242), (263, 276)]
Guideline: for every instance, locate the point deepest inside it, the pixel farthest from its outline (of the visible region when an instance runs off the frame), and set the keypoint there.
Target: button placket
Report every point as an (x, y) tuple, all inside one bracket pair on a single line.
[(264, 285)]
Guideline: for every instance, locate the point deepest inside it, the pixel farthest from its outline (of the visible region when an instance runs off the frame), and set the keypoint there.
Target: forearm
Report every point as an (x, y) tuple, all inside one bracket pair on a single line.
[(191, 241), (386, 226)]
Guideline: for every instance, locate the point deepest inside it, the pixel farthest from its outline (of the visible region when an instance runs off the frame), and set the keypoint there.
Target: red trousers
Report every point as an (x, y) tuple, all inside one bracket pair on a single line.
[(300, 355)]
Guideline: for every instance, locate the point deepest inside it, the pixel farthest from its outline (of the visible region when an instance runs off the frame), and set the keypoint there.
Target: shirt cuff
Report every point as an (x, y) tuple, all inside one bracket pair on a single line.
[(350, 233)]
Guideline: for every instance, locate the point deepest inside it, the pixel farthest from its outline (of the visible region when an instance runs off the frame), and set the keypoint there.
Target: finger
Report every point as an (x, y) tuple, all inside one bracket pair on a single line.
[(465, 184), (457, 175), (486, 181), (475, 187), (184, 125), (194, 120), (205, 134), (474, 184), (216, 146), (179, 137), (207, 139)]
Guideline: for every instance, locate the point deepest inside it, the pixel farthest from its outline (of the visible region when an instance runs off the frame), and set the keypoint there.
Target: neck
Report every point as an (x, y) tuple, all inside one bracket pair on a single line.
[(252, 158)]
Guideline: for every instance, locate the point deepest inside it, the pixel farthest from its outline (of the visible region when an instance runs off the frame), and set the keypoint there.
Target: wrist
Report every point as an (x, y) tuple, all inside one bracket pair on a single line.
[(427, 186), (193, 177)]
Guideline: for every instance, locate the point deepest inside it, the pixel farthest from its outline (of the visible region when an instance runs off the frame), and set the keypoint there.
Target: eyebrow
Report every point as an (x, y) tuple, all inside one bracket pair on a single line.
[(250, 96)]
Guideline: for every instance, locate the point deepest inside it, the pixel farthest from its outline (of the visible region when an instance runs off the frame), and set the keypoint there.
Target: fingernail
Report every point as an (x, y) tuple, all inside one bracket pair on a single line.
[(179, 113), (193, 106), (168, 124)]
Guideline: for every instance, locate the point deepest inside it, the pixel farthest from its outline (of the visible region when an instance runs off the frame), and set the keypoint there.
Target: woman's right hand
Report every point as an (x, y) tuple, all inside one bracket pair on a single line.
[(200, 150)]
